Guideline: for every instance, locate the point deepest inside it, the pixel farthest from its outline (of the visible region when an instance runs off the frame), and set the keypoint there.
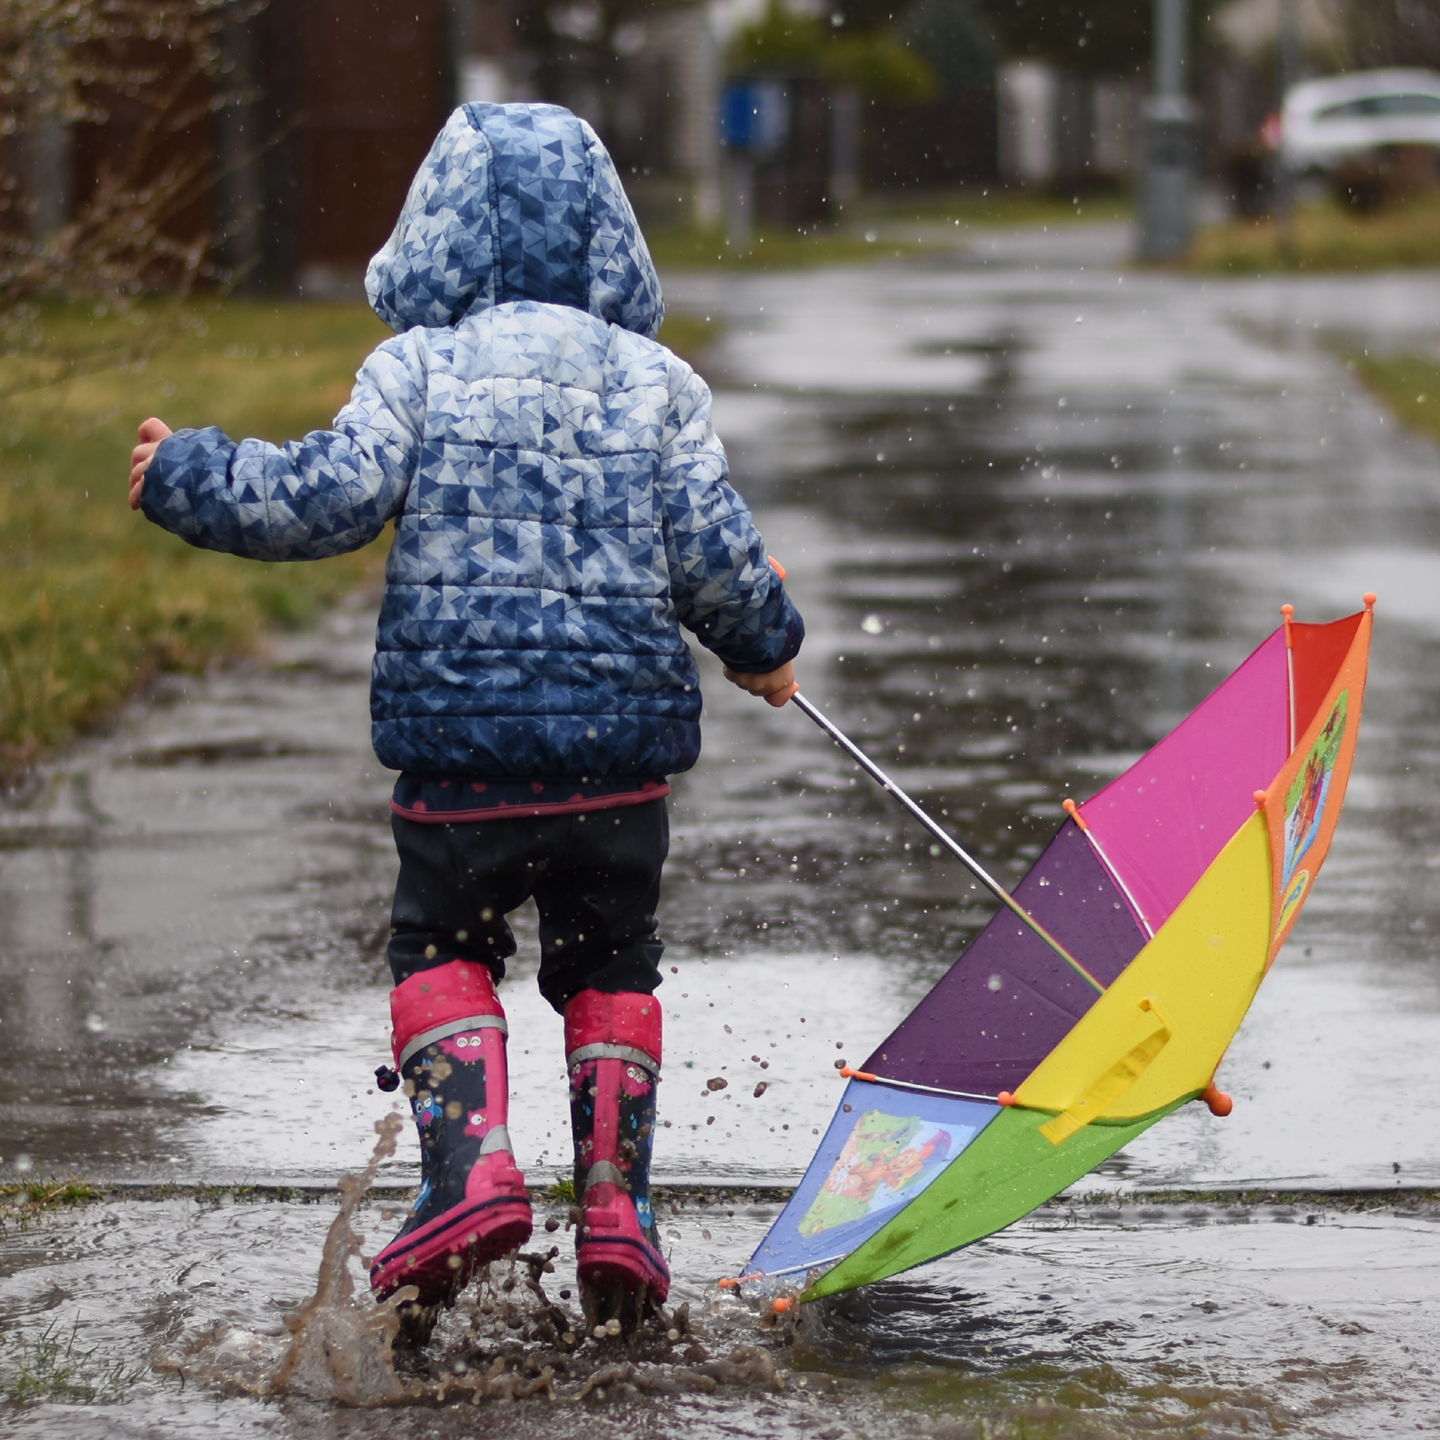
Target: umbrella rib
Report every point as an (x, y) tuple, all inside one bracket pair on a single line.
[(848, 1074), (943, 835)]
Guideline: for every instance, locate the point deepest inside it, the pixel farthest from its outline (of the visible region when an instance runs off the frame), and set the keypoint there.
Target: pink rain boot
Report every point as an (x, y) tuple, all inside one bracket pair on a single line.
[(449, 1043), (612, 1051)]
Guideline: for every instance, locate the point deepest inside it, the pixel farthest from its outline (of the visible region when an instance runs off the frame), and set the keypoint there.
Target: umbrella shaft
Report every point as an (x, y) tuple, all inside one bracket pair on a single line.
[(941, 834)]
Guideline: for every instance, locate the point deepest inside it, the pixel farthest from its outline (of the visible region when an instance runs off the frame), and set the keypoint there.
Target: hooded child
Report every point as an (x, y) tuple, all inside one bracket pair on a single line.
[(561, 509)]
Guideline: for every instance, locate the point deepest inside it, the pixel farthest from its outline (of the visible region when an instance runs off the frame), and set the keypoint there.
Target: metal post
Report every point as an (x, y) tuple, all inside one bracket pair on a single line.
[(1288, 69), (1169, 135)]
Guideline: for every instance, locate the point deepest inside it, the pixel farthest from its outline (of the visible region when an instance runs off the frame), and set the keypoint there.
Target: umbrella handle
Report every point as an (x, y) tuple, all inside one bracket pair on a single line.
[(941, 834)]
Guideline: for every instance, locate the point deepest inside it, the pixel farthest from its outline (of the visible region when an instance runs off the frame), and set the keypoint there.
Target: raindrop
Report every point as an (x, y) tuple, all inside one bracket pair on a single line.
[(24, 1164), (872, 625), (94, 1023), (995, 982)]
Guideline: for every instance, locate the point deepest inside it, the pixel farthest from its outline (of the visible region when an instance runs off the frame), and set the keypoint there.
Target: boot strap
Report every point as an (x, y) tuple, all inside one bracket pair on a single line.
[(628, 1053), (449, 1028), (496, 1138), (606, 1171)]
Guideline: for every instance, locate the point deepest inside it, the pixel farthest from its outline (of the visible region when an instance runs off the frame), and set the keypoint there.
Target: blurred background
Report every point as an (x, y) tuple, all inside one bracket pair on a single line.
[(280, 137)]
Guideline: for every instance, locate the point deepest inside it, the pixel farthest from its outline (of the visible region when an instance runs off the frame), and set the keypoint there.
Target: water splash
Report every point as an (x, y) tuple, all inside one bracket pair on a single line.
[(505, 1339), (341, 1347)]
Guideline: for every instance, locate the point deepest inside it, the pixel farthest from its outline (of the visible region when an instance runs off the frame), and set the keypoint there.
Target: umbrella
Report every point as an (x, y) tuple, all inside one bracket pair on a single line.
[(1104, 994)]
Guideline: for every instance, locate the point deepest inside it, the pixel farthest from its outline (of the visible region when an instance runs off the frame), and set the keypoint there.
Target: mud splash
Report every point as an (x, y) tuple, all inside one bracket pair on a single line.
[(505, 1338), (341, 1345)]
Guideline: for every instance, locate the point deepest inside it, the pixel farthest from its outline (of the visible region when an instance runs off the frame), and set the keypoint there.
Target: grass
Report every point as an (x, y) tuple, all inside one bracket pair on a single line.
[(877, 230), (47, 1194), (49, 1367), (1408, 385), (1003, 208), (1327, 237), (94, 601), (772, 250)]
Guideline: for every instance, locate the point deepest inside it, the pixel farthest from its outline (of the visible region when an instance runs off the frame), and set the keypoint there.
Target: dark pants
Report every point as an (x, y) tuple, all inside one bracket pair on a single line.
[(595, 877)]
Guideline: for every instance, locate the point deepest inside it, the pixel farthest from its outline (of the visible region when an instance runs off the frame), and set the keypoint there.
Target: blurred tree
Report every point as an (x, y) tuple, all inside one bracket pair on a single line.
[(140, 78), (1097, 37), (874, 61), (956, 41), (597, 24), (1390, 32)]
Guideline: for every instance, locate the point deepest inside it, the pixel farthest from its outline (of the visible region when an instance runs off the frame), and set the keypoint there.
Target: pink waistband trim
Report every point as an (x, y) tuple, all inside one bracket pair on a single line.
[(532, 812)]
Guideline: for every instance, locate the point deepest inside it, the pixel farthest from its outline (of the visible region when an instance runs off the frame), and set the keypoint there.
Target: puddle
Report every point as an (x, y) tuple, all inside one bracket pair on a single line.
[(1086, 1319), (1020, 563)]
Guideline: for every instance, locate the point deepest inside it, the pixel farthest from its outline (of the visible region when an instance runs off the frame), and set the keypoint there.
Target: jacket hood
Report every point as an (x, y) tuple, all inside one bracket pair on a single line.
[(515, 202)]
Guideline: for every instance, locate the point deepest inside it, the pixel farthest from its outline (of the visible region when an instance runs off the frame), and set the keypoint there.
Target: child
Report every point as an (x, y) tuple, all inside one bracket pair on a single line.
[(561, 507)]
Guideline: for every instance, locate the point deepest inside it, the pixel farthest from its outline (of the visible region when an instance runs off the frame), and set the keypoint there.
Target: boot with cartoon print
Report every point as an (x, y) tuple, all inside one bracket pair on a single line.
[(449, 1045), (612, 1054)]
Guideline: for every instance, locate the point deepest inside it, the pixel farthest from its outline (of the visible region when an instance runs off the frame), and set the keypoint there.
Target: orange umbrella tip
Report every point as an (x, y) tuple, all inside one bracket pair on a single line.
[(1288, 611), (1005, 1098), (1369, 598), (782, 1304), (728, 1283), (1259, 799), (1218, 1101)]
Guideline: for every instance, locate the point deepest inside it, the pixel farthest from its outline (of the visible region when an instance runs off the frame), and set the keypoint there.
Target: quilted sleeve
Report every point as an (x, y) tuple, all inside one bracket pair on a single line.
[(331, 492), (721, 581)]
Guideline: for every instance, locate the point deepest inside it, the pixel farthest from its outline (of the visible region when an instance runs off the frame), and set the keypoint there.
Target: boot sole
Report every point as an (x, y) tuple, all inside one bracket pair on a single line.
[(423, 1260), (618, 1262)]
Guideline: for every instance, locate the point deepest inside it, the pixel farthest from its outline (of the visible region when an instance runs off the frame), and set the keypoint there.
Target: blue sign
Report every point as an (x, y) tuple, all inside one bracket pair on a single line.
[(755, 116)]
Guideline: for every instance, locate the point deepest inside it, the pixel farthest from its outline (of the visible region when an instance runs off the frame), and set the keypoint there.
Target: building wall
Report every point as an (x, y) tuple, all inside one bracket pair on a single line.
[(353, 94)]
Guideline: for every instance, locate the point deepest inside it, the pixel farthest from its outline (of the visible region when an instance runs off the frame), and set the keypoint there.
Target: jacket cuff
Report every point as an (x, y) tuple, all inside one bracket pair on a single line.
[(782, 632)]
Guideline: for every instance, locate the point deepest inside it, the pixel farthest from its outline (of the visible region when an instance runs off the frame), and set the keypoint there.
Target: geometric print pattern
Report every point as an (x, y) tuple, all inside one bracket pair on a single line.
[(515, 202), (561, 499)]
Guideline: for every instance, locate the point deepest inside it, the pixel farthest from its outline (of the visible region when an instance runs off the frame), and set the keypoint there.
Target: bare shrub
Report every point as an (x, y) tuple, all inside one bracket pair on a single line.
[(137, 81)]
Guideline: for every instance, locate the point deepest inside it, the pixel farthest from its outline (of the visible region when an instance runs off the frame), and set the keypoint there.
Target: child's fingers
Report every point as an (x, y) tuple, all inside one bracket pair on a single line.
[(783, 696), (153, 430)]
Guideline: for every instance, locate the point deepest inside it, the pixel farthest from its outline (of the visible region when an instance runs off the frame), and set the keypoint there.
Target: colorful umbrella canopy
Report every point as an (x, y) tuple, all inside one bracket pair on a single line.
[(1169, 894)]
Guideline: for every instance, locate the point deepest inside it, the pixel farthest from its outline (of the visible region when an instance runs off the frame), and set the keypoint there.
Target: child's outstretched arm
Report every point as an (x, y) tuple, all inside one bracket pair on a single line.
[(721, 580), (331, 492)]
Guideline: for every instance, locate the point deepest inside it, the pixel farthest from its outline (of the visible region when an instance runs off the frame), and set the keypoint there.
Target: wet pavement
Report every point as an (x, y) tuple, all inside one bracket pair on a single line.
[(1033, 507)]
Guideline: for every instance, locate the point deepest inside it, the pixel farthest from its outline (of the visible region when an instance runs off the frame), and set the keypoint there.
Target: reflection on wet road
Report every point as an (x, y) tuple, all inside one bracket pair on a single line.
[(1031, 515)]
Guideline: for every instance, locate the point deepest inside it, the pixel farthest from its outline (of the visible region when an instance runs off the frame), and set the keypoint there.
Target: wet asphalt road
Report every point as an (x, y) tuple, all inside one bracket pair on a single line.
[(1033, 507)]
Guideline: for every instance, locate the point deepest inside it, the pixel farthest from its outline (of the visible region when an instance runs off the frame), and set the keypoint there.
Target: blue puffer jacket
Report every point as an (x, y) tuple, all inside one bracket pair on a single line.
[(560, 494)]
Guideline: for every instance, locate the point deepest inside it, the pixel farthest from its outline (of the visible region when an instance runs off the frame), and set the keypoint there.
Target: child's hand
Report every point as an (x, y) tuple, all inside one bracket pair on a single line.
[(152, 432), (775, 687)]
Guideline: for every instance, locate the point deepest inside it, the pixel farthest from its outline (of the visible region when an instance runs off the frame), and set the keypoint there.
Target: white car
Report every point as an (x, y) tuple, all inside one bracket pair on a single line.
[(1327, 122)]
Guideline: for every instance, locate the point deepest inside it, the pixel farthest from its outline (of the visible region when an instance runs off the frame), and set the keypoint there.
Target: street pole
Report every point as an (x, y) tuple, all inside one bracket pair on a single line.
[(1169, 140), (1287, 67)]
